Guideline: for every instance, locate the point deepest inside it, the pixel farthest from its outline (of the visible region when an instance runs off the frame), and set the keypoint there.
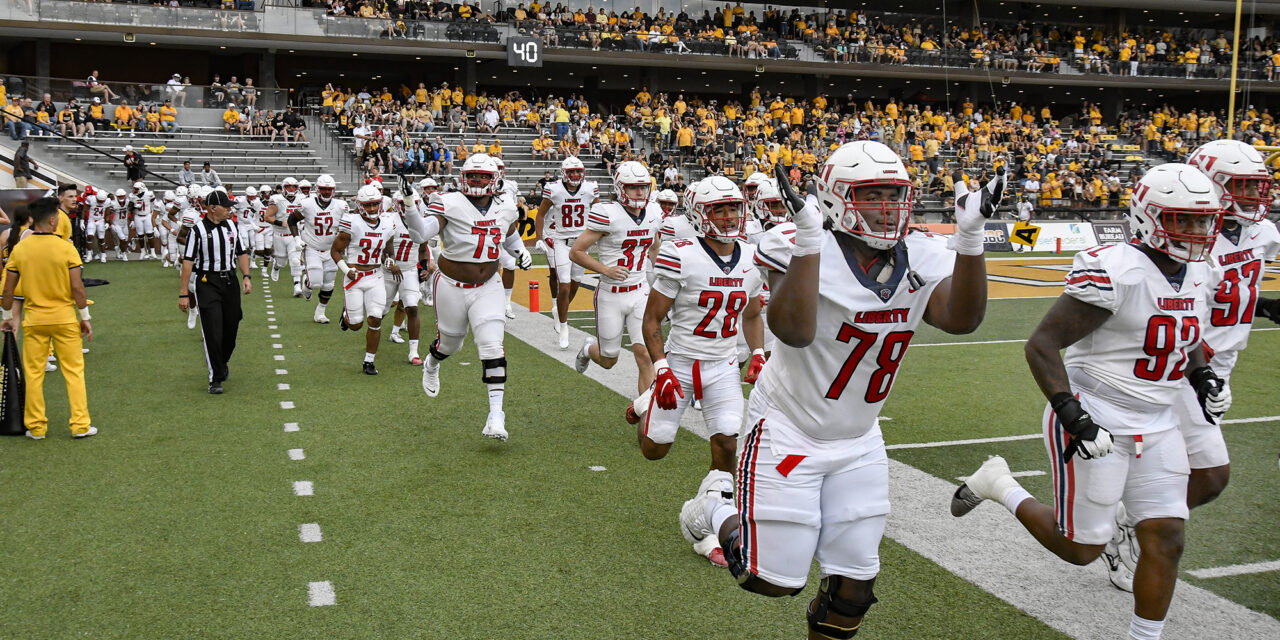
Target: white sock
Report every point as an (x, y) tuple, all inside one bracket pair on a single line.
[(398, 328), (496, 391), (509, 294), (719, 513), (641, 403), (564, 327), (413, 347), (1013, 498), (368, 357), (432, 363), (1143, 629), (320, 306)]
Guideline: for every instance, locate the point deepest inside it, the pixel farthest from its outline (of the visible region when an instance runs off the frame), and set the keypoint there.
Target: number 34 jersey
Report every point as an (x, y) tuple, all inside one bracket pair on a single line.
[(834, 388), (1135, 362), (471, 235), (627, 240), (368, 240), (709, 294)]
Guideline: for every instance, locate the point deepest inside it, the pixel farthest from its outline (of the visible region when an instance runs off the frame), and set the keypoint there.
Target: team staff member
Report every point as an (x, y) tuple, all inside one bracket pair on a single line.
[(67, 194), (212, 250), (49, 269)]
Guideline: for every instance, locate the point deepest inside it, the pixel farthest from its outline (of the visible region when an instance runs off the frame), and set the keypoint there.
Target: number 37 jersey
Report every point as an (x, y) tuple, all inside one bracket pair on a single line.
[(709, 293), (627, 240), (834, 388)]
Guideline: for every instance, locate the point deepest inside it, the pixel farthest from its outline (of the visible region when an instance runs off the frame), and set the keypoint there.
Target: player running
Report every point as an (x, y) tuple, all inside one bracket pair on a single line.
[(510, 190), (624, 230), (361, 245), (95, 228), (1131, 321), (407, 251), (315, 223), (564, 208), (118, 214), (280, 208), (813, 473), (473, 225)]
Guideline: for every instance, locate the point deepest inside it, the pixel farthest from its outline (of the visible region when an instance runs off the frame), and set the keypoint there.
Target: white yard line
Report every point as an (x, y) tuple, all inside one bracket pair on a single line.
[(282, 372), (320, 594), (953, 443), (282, 387), (1247, 420), (290, 427), (304, 488), (287, 404), (961, 344), (1236, 569), (1017, 569), (297, 454), (309, 532), (1015, 474)]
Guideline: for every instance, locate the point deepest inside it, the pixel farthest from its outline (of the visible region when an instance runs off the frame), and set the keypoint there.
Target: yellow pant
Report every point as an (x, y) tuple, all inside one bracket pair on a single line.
[(65, 339)]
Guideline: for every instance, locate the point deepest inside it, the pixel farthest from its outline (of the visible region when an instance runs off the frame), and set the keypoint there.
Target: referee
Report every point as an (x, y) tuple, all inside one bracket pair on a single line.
[(212, 251)]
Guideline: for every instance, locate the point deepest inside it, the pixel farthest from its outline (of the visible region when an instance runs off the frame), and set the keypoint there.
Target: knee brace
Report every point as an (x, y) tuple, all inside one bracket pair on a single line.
[(747, 580), (445, 342), (828, 601), (325, 294), (494, 371)]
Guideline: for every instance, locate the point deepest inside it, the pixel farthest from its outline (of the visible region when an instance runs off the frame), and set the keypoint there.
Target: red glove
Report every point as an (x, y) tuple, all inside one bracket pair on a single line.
[(755, 366), (666, 387)]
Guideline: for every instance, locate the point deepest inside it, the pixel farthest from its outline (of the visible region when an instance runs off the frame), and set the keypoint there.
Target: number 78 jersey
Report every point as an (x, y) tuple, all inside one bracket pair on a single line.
[(834, 388), (708, 293), (627, 240)]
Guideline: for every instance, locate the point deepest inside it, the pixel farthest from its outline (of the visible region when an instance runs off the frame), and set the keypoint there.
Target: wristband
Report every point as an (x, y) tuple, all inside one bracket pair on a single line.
[(968, 243), (7, 313), (183, 295), (342, 266), (84, 313), (660, 364), (245, 276), (757, 352)]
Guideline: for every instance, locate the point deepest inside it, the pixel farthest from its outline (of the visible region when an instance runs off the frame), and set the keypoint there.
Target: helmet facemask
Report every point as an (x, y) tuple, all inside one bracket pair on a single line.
[(1186, 235), (1247, 199), (722, 220), (573, 177), (880, 217), (477, 183)]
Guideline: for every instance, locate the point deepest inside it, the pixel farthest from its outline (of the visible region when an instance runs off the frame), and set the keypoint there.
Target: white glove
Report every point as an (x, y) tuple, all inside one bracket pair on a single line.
[(523, 259), (299, 244), (1099, 446), (809, 232), (1219, 403), (972, 211)]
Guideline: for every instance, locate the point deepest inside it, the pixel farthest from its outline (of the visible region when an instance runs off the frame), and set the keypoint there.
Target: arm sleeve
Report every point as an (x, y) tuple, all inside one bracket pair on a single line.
[(413, 221), (514, 243), (598, 219), (1089, 281), (774, 250), (667, 270)]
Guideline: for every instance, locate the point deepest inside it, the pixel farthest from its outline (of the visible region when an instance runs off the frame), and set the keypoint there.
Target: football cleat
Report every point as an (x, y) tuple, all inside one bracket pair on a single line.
[(34, 436), (696, 404), (695, 523), (631, 415), (93, 431), (1121, 576), (990, 482), (583, 359), (297, 291), (342, 322), (275, 273), (496, 426), (564, 337), (49, 366), (431, 381), (709, 548), (394, 336), (511, 314), (369, 369), (319, 318), (102, 258), (192, 315), (415, 361), (264, 267)]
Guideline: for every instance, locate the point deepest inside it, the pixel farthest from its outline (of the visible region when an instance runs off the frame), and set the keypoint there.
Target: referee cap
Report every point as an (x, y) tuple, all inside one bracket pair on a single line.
[(218, 199)]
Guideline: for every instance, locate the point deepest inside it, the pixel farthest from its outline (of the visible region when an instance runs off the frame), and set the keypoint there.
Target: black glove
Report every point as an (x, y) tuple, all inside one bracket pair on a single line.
[(1211, 391), (792, 200), (991, 201), (1268, 308), (1087, 438)]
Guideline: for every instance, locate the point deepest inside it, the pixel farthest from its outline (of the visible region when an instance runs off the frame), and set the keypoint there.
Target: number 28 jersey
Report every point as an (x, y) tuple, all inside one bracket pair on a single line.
[(834, 388), (471, 235), (627, 239), (1135, 362), (568, 212), (708, 293)]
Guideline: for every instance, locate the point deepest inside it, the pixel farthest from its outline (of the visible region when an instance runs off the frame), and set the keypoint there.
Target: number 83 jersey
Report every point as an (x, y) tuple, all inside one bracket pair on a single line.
[(708, 293), (834, 388)]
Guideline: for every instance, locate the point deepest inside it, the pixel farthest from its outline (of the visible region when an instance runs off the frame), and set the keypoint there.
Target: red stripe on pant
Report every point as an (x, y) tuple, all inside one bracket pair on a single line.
[(653, 397), (697, 379), (358, 278)]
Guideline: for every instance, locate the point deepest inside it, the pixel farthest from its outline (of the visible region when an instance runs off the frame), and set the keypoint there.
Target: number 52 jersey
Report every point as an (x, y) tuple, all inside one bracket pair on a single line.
[(834, 388), (709, 293)]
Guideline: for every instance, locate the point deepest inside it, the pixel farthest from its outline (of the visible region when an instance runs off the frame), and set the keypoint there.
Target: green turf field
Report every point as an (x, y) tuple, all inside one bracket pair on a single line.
[(179, 519)]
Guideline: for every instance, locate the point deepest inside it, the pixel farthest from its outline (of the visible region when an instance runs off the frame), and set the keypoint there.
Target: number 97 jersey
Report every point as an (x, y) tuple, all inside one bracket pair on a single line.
[(709, 293)]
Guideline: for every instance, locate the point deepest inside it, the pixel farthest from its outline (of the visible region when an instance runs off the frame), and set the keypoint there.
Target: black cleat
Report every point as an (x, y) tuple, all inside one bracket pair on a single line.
[(369, 369), (342, 322), (215, 388)]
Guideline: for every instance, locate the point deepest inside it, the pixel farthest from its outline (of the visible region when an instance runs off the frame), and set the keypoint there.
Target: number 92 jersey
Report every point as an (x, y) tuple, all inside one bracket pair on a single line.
[(1134, 362), (709, 294), (471, 235), (319, 224), (568, 212), (627, 240), (834, 388)]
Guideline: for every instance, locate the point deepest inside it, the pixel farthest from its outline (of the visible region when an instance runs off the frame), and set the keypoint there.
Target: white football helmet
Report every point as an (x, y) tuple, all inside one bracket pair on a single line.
[(479, 175), (369, 194), (169, 197), (752, 183), (768, 206), (102, 196), (1240, 173), (121, 195), (719, 210), (264, 190), (502, 167), (289, 186), (668, 200), (688, 200), (428, 186), (1175, 210), (572, 172), (881, 223), (250, 192), (138, 187), (305, 187), (180, 192), (631, 174), (325, 186)]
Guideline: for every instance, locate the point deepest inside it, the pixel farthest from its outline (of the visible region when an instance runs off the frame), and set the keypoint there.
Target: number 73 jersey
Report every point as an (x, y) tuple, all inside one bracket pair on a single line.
[(471, 235), (834, 388), (627, 240), (708, 295)]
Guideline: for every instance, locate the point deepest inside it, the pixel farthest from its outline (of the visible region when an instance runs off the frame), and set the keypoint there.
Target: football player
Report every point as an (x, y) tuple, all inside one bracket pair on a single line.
[(359, 250), (473, 224), (407, 251), (266, 230), (1240, 252), (509, 190), (247, 219), (304, 189), (772, 219), (280, 208), (564, 209), (141, 220), (95, 229), (314, 224), (711, 289), (624, 230), (812, 477), (1131, 320), (118, 210)]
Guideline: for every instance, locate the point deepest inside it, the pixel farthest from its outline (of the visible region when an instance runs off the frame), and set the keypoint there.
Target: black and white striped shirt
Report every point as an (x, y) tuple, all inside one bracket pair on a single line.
[(213, 247)]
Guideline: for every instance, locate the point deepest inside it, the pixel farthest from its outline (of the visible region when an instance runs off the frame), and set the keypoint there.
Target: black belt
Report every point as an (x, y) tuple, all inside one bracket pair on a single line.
[(229, 273)]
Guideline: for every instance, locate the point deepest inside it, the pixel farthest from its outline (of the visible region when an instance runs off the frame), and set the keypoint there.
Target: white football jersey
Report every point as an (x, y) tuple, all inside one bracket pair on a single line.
[(285, 208), (834, 388), (471, 235), (403, 249), (119, 212), (773, 251), (568, 213), (676, 226), (368, 240), (1241, 259), (753, 230), (1135, 361), (246, 213), (98, 212), (190, 217), (510, 190), (318, 225), (627, 240), (140, 203), (709, 294)]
